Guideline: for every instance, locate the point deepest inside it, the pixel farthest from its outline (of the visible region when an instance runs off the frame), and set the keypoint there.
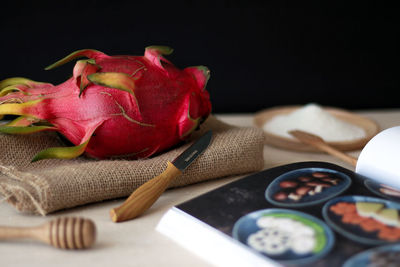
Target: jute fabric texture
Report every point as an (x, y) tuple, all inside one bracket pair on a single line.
[(49, 185)]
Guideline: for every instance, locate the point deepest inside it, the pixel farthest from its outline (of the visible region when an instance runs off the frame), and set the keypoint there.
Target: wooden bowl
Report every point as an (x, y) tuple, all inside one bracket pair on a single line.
[(371, 129)]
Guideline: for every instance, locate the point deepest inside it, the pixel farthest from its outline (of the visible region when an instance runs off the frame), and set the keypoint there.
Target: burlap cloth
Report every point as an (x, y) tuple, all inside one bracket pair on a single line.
[(50, 185)]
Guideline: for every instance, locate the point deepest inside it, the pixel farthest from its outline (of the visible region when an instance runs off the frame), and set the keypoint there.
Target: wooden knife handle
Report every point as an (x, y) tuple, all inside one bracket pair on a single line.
[(145, 195)]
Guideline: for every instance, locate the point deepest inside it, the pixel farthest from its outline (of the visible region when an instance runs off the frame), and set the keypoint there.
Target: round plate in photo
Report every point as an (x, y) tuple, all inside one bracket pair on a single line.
[(366, 220), (388, 255), (306, 187), (382, 190), (285, 235)]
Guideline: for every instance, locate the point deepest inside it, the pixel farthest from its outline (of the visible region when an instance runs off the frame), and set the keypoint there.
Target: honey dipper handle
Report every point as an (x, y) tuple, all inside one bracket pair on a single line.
[(144, 196), (7, 233)]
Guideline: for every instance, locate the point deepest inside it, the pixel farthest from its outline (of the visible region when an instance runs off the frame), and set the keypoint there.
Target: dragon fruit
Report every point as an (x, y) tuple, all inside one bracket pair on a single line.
[(112, 106)]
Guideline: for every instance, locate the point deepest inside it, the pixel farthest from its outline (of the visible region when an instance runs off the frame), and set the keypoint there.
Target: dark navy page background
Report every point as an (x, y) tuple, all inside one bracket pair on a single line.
[(222, 207)]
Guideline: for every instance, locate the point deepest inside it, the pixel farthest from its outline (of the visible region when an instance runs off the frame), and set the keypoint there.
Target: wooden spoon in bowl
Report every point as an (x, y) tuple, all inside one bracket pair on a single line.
[(319, 143)]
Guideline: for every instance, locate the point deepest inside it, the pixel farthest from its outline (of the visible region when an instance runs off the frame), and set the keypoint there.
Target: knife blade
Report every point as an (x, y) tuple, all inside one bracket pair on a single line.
[(144, 196)]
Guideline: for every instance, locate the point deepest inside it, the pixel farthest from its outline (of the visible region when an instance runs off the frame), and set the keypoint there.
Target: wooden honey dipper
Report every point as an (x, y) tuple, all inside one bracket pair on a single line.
[(65, 233)]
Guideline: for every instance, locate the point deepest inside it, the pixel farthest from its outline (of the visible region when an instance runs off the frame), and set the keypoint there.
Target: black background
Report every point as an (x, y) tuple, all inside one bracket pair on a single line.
[(261, 54)]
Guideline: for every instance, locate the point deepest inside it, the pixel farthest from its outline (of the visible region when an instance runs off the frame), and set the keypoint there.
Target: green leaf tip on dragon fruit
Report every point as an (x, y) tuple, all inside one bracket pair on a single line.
[(90, 53), (159, 49), (112, 106)]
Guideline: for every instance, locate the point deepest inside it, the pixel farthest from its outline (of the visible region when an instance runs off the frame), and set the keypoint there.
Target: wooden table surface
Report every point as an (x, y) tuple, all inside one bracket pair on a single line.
[(136, 243)]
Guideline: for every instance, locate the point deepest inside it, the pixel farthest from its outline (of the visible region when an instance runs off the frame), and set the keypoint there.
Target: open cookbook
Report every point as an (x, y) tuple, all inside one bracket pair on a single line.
[(301, 214)]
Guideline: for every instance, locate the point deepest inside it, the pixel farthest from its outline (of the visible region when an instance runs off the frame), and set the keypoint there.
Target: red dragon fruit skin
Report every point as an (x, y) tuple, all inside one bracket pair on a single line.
[(112, 106)]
